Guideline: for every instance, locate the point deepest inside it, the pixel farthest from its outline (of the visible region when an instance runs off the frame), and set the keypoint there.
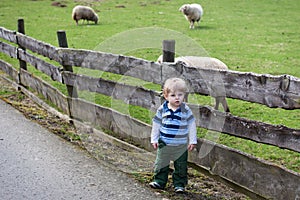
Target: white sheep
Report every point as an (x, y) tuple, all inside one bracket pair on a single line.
[(85, 13), (192, 12), (203, 63)]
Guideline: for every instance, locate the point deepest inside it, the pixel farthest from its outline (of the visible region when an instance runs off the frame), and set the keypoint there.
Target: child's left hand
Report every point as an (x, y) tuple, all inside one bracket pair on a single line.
[(191, 147)]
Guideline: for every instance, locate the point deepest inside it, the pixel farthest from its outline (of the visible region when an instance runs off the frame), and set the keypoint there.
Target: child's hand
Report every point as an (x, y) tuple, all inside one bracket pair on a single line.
[(155, 145), (191, 147)]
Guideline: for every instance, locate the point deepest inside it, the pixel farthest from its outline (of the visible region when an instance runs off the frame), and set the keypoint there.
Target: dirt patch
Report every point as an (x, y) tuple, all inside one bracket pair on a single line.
[(137, 165), (58, 4)]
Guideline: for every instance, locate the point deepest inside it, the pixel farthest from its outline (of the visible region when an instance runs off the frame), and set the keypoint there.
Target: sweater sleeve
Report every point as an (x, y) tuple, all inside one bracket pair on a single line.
[(155, 132), (193, 133)]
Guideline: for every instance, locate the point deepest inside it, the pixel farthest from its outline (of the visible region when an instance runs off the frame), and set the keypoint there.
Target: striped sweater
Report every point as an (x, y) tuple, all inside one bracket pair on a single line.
[(174, 127)]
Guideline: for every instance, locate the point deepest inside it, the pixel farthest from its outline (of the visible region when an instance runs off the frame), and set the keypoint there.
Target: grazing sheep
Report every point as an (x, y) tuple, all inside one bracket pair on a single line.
[(204, 63), (192, 12), (84, 13), (195, 61)]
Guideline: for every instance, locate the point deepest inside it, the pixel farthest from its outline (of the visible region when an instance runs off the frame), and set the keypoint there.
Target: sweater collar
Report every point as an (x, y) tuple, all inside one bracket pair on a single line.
[(180, 109)]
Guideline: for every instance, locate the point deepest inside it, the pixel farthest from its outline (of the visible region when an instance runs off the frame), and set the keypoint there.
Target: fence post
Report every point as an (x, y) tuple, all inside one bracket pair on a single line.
[(62, 42), (168, 50), (169, 56), (21, 29), (72, 91)]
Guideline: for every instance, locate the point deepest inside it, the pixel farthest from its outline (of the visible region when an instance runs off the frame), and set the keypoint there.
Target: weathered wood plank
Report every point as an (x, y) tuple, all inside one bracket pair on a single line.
[(257, 175), (37, 46), (52, 71), (134, 95), (8, 35), (45, 89), (10, 70), (108, 119), (129, 66), (273, 91), (8, 49), (279, 135)]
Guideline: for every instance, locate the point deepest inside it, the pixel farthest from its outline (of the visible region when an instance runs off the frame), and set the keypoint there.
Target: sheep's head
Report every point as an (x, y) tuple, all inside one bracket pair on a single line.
[(95, 18), (184, 9), (160, 59)]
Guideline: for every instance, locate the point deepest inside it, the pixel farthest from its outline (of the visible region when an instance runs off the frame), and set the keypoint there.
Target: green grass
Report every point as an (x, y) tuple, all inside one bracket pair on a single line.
[(257, 36), (260, 36)]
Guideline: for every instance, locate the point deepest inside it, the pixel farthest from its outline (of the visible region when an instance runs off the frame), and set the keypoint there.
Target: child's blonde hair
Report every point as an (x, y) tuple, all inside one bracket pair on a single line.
[(173, 85)]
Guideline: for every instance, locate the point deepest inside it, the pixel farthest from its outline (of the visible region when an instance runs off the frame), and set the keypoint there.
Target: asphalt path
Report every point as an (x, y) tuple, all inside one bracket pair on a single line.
[(36, 164)]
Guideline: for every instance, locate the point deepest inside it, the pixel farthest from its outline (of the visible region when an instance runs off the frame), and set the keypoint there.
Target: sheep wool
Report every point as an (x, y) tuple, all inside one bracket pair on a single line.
[(192, 12), (198, 62), (85, 13), (204, 63)]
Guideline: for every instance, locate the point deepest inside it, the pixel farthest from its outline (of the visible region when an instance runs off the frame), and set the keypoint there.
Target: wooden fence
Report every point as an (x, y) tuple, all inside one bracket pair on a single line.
[(260, 178)]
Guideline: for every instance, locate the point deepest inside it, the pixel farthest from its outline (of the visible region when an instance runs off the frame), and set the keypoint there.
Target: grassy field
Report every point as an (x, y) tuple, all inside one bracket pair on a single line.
[(260, 36), (257, 36)]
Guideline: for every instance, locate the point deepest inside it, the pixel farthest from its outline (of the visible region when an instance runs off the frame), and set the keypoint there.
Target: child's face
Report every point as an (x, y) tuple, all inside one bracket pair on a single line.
[(175, 98)]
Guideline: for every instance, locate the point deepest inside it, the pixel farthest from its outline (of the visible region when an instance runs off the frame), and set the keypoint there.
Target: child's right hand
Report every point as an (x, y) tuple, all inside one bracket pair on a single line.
[(155, 145)]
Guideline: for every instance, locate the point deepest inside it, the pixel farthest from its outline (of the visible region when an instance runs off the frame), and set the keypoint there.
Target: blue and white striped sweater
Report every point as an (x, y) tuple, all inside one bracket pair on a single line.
[(174, 124)]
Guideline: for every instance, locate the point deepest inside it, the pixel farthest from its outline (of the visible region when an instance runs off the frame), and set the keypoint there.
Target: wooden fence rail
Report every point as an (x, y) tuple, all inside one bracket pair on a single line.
[(257, 176), (272, 91)]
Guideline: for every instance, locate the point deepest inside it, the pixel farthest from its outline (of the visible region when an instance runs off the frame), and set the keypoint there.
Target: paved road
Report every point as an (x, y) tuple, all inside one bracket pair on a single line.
[(36, 164)]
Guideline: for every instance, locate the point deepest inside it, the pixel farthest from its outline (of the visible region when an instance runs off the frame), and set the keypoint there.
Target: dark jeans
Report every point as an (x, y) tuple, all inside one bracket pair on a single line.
[(165, 154)]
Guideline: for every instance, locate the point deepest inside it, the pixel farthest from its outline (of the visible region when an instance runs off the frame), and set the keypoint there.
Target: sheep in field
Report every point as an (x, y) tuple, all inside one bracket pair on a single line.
[(192, 12), (84, 13), (204, 63)]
